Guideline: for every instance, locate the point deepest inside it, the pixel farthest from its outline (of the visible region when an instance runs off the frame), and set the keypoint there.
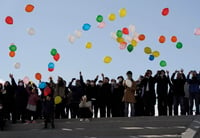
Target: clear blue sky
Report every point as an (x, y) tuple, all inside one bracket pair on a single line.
[(54, 21)]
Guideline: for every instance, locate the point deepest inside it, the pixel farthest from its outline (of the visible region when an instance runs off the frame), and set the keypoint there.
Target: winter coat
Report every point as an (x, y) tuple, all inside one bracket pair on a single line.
[(129, 93), (193, 84), (162, 85), (178, 85)]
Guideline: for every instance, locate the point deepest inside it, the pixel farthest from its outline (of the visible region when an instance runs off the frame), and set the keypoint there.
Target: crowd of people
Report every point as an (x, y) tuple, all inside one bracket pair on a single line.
[(120, 97)]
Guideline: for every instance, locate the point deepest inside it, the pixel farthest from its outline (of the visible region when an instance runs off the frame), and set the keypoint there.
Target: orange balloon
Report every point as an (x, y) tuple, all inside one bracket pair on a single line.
[(38, 76), (12, 53), (162, 39), (141, 37), (174, 39), (29, 8)]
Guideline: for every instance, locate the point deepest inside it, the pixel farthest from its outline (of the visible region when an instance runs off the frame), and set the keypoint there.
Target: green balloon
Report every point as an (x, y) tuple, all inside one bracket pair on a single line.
[(53, 52), (130, 48), (13, 48), (179, 45), (119, 33), (163, 63), (99, 18)]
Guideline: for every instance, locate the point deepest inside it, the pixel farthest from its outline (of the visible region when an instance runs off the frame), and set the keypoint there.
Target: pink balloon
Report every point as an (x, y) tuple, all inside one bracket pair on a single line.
[(26, 80), (101, 25), (123, 45), (197, 31)]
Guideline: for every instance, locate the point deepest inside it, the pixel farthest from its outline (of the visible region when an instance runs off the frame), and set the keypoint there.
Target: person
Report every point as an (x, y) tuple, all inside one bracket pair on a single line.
[(100, 99), (21, 99), (178, 85), (170, 98), (32, 103), (48, 110), (194, 92), (163, 81), (129, 94), (186, 100), (77, 91), (149, 97), (85, 109), (2, 123)]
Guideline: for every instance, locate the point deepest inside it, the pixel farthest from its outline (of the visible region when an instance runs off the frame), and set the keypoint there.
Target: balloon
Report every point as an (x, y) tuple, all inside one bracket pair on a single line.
[(122, 12), (12, 53), (134, 43), (128, 38), (125, 31), (120, 40), (112, 17), (132, 28), (163, 63), (50, 70), (38, 76), (141, 37), (151, 57), (88, 45), (31, 31), (17, 65), (179, 45), (174, 39), (101, 25), (53, 52), (51, 65), (42, 85), (99, 18), (107, 59), (122, 45), (71, 39), (147, 50), (156, 53), (162, 39), (119, 33), (47, 91), (26, 80), (165, 11), (29, 8), (9, 20), (57, 100), (113, 35), (13, 47), (130, 48), (78, 33), (86, 27), (56, 57), (197, 31)]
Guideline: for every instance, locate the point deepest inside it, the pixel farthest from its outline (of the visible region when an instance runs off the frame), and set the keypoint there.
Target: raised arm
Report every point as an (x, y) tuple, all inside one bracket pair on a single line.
[(12, 80)]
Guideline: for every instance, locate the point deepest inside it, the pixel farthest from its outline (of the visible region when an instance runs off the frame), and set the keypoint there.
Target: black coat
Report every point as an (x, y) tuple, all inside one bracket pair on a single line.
[(178, 85), (162, 86)]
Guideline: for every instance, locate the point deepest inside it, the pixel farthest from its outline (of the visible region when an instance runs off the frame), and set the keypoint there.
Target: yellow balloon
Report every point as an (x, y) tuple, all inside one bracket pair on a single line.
[(57, 100), (107, 59), (112, 17), (156, 53), (120, 40), (122, 12), (147, 50), (134, 43), (88, 45)]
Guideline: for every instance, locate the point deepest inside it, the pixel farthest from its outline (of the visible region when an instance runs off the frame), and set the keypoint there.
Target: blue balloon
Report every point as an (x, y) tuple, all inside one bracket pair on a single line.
[(42, 85), (51, 65), (86, 27), (151, 57)]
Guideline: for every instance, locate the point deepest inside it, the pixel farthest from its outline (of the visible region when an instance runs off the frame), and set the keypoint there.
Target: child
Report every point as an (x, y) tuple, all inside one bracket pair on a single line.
[(48, 110), (85, 109)]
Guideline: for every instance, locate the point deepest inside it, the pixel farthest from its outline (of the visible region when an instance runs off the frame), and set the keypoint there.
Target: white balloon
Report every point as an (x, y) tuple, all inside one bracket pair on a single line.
[(17, 65), (78, 33), (71, 39), (132, 28), (128, 38), (113, 35), (101, 25), (31, 31)]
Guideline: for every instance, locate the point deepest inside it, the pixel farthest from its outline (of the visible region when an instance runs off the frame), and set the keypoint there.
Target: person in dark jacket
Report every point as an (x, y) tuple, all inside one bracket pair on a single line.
[(178, 85), (1, 108), (21, 99), (163, 81), (194, 92), (149, 97)]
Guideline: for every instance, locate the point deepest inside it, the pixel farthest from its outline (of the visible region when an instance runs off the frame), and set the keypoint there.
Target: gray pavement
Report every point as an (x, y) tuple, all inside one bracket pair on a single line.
[(136, 127)]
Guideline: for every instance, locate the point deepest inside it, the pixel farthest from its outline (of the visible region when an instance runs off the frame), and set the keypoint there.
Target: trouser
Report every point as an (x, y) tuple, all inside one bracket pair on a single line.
[(126, 111), (194, 97), (179, 100), (149, 105), (74, 108), (162, 105), (85, 113), (95, 108), (31, 114), (60, 110), (49, 118), (19, 114)]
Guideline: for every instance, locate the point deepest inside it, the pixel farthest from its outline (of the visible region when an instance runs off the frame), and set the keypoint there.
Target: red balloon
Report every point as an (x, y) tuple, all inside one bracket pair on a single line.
[(165, 11), (125, 31), (56, 57), (162, 39), (50, 70), (9, 20), (47, 91)]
